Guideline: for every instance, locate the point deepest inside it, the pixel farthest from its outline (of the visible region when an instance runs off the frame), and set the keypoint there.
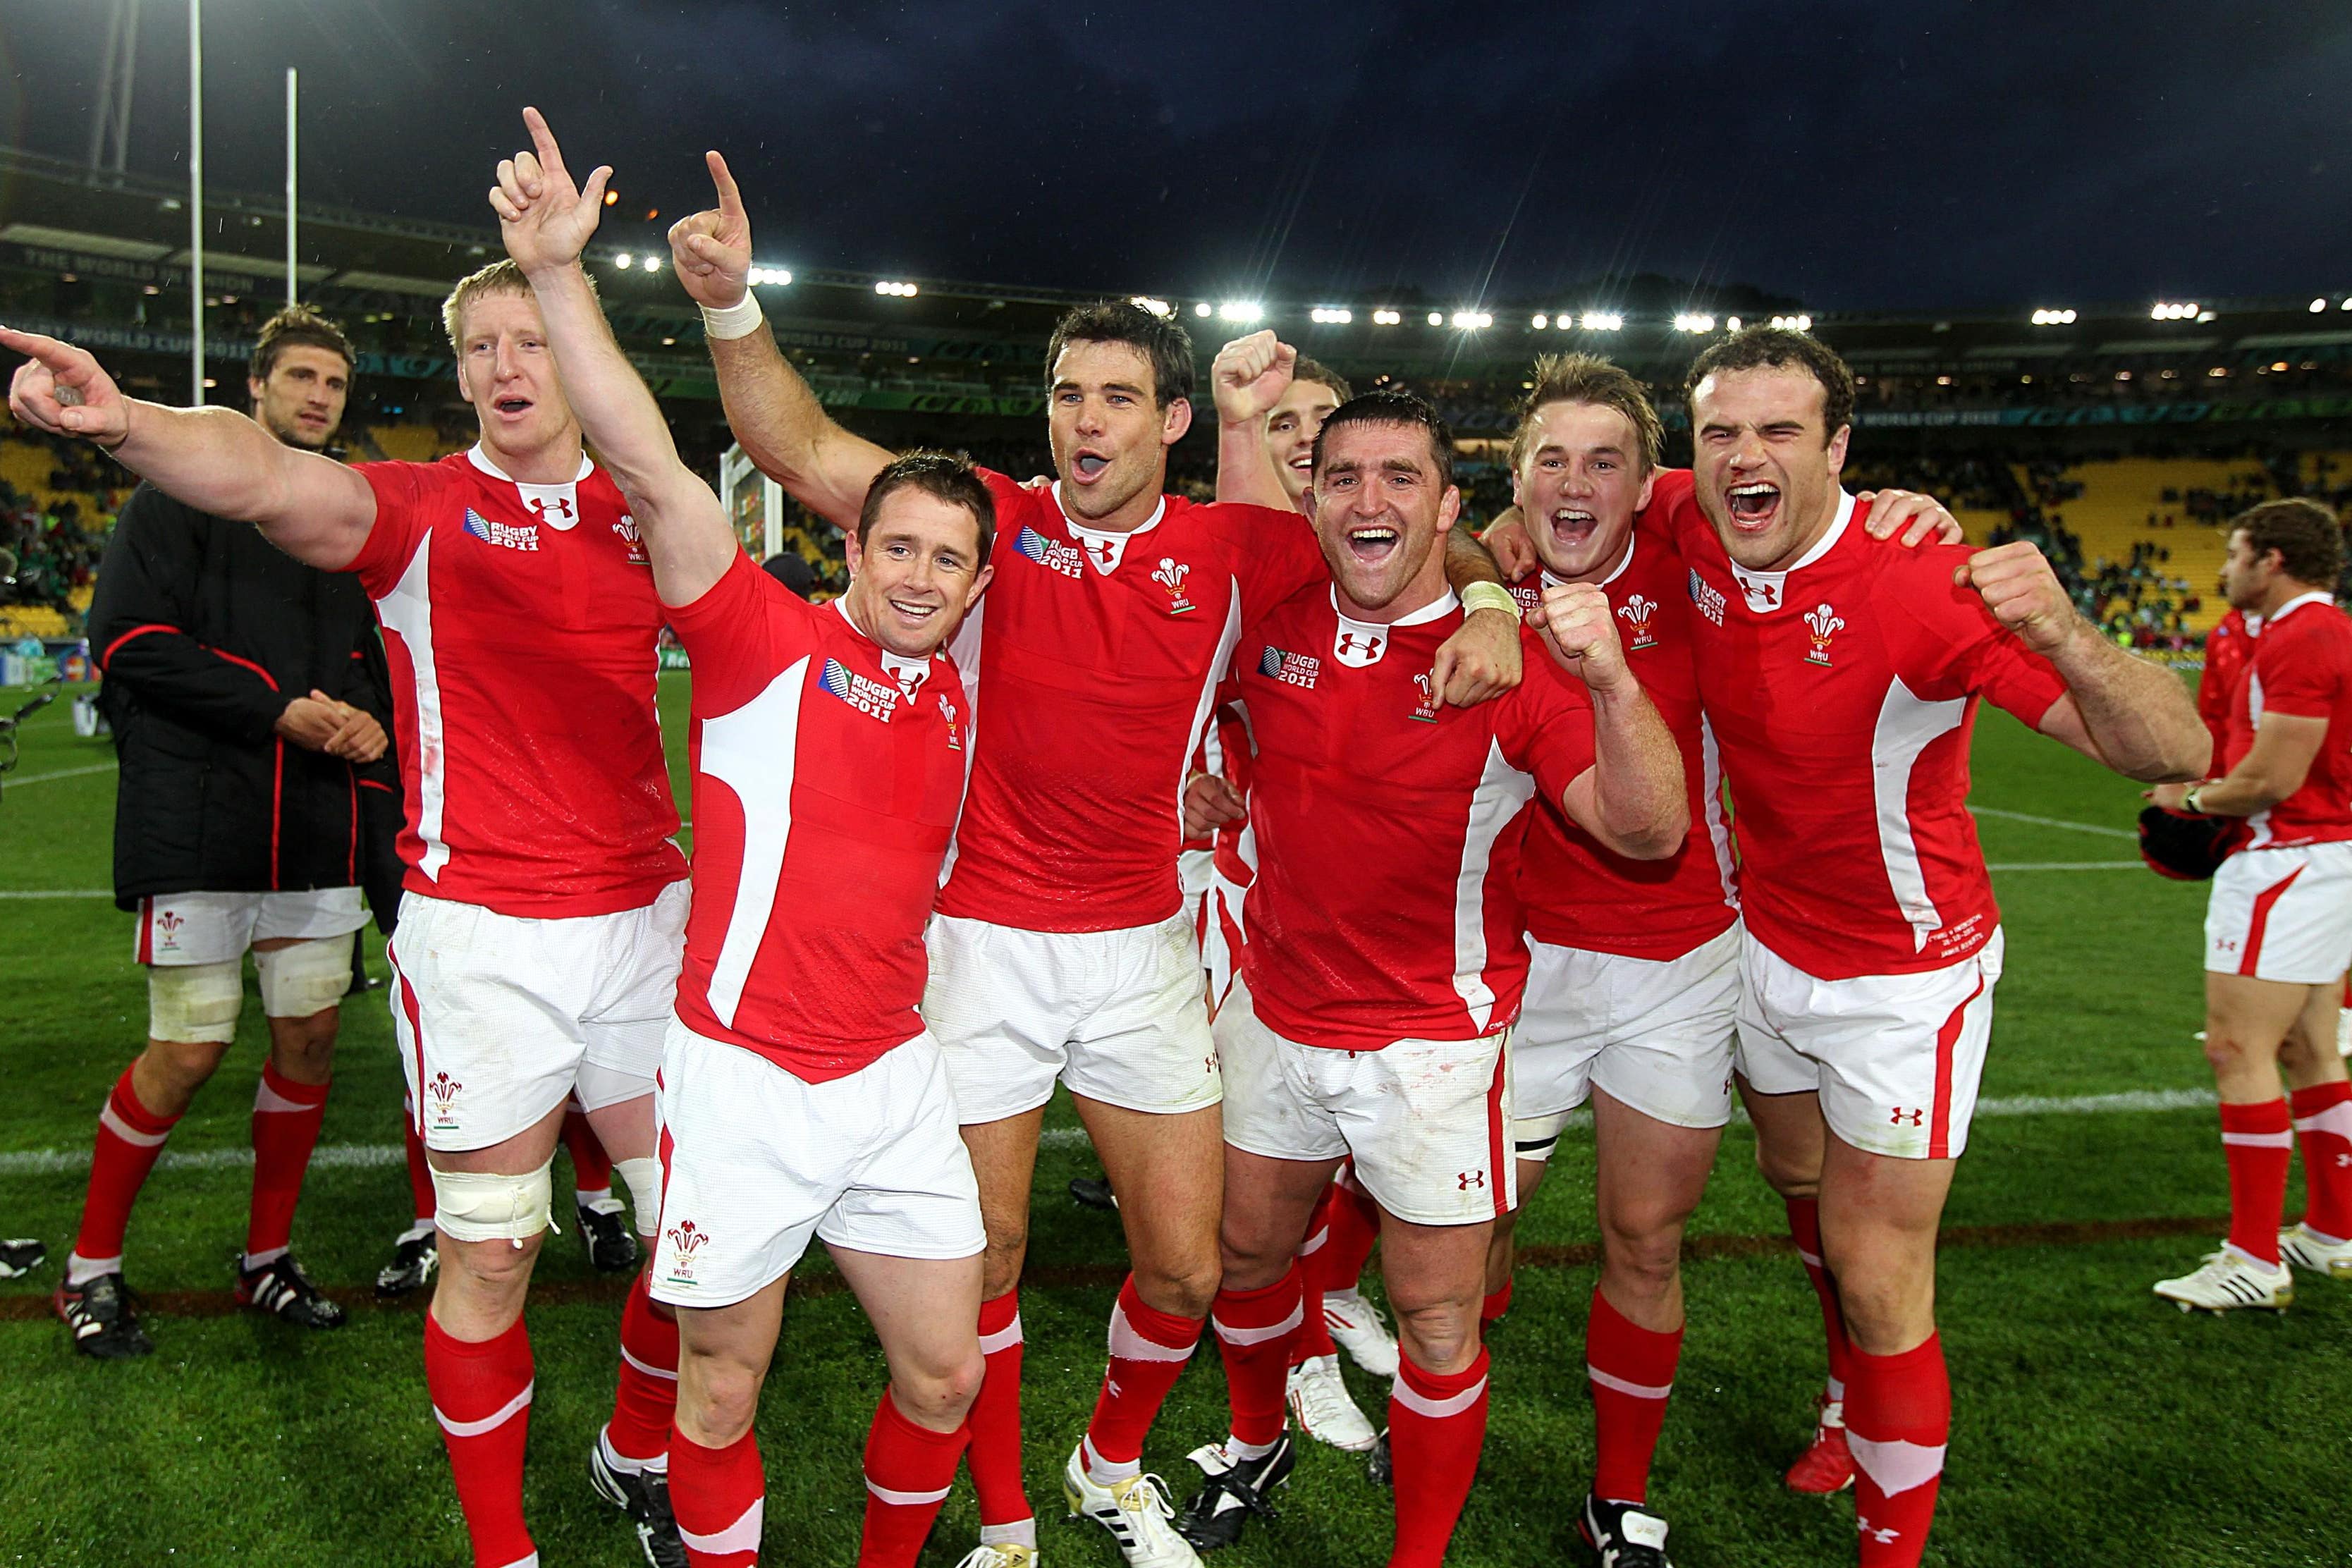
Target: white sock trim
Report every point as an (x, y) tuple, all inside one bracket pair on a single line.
[(504, 1414), (1020, 1532), (743, 1536), (1101, 1471)]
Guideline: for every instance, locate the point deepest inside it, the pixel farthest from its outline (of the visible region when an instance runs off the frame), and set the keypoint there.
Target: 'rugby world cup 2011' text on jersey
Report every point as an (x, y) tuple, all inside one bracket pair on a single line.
[(520, 623), (1388, 825), (1092, 662), (1578, 893), (827, 772), (1842, 694)]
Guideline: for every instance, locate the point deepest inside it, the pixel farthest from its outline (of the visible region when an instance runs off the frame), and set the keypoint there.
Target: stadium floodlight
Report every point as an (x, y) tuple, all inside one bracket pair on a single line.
[(1393, 318), (2166, 311), (764, 276), (895, 290), (625, 261), (1436, 319), (1730, 323), (1202, 308), (1539, 322), (1471, 321), (2053, 317), (1793, 324), (1694, 321), (1240, 310), (1330, 316), (650, 263), (2346, 305), (2318, 305), (1601, 321), (1160, 308)]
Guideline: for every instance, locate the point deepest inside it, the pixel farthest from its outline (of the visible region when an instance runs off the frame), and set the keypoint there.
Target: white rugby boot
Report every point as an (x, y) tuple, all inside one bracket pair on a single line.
[(2308, 1249), (2227, 1281), (1359, 1328), (1324, 1409), (1136, 1512)]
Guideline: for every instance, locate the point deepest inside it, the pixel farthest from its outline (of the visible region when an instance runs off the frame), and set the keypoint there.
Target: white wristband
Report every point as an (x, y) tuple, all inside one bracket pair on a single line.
[(739, 319), (1489, 596)]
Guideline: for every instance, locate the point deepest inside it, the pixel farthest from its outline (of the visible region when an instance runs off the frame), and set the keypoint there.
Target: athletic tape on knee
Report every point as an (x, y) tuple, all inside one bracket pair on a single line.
[(477, 1206), (643, 1177), (195, 1002), (307, 977), (1535, 1137)]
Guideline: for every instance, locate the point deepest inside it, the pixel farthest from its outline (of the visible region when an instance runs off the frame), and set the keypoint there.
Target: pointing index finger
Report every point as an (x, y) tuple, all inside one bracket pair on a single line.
[(730, 200), (551, 156)]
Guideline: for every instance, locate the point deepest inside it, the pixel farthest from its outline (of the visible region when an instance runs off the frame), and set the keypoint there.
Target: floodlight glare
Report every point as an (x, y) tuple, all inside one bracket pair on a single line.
[(625, 261), (1391, 318), (1240, 310)]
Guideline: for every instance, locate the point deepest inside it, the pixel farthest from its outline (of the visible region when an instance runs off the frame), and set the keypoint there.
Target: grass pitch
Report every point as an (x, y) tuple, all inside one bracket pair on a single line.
[(2092, 1425)]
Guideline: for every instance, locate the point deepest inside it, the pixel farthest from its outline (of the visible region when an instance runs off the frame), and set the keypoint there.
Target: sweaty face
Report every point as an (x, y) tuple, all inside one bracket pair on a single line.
[(1111, 438), (1290, 427), (916, 574), (507, 370), (302, 402), (1579, 487), (1767, 470), (1380, 512)]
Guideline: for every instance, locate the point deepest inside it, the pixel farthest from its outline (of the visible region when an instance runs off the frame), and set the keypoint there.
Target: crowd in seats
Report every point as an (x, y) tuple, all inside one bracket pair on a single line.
[(58, 502)]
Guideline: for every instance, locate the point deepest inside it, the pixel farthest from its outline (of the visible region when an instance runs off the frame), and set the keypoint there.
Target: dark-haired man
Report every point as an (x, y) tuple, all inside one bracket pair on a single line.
[(1841, 680), (544, 903), (1385, 964), (2278, 927), (1060, 947), (829, 748), (246, 693)]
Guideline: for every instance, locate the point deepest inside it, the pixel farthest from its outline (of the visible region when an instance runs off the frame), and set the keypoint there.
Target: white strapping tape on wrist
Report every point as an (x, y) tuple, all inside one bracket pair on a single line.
[(739, 319)]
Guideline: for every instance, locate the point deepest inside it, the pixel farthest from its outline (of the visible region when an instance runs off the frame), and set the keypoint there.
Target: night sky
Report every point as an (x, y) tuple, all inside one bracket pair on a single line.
[(1853, 154)]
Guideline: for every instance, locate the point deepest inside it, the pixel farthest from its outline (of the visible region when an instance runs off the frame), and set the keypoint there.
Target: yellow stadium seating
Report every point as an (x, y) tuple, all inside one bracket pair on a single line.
[(31, 621)]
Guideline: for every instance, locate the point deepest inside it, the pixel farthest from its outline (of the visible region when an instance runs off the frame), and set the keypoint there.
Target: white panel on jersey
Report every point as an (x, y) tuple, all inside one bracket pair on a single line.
[(1907, 724), (753, 751), (407, 613), (1719, 831), (1502, 790), (1102, 549), (1359, 644), (558, 506), (964, 649), (1208, 702), (1765, 591), (2259, 824)]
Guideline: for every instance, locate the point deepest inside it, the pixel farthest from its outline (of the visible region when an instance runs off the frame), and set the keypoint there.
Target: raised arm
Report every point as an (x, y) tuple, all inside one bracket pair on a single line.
[(2130, 713), (546, 220), (773, 412), (1249, 377), (214, 459), (1481, 659), (1633, 797)]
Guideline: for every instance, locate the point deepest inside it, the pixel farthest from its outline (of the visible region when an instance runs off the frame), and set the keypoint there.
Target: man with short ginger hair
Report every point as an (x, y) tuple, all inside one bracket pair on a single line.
[(544, 904), (2278, 927)]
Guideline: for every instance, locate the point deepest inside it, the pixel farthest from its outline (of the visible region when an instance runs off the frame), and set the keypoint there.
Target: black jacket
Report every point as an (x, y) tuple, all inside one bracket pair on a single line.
[(204, 631)]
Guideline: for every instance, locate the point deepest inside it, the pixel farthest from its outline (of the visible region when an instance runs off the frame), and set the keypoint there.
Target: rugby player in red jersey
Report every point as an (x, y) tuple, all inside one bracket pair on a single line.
[(1385, 962), (1841, 681), (1060, 947), (829, 746), (2278, 927), (538, 944)]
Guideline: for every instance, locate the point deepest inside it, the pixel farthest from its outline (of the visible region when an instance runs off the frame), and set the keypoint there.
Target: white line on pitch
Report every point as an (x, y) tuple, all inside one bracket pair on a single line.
[(2064, 865), (60, 773), (56, 893), (371, 1156), (2099, 828)]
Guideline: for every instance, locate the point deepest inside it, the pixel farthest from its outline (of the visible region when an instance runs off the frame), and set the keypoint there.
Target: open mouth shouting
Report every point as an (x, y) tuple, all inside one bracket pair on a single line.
[(1373, 543), (514, 405), (1086, 465), (1755, 505), (1573, 526)]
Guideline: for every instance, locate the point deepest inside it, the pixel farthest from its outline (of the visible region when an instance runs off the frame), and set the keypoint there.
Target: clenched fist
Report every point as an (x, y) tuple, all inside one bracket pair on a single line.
[(1250, 376), (2023, 594), (1577, 627)]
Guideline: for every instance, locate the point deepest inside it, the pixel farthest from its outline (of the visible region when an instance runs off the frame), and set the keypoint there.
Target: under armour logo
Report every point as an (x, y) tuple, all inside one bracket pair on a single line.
[(1104, 548), (1763, 595), (1466, 1180), (1348, 644), (562, 506), (1905, 1118)]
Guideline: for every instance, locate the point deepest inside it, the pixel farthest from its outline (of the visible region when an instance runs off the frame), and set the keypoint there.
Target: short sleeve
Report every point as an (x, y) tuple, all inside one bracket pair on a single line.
[(1971, 649), (401, 519), (1673, 515), (742, 634), (1544, 724), (2300, 675), (1279, 555)]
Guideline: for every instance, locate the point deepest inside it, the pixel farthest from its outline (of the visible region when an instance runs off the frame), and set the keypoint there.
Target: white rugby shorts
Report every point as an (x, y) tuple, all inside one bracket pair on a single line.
[(501, 1018), (1427, 1120), (2281, 914), (1897, 1058), (214, 928), (1117, 1016), (755, 1162), (1656, 1034)]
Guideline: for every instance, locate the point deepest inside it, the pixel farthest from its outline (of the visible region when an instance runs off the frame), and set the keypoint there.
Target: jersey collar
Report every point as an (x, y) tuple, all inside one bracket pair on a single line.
[(558, 506), (1104, 550), (1633, 542), (909, 673), (2314, 597), (1357, 644), (1767, 591)]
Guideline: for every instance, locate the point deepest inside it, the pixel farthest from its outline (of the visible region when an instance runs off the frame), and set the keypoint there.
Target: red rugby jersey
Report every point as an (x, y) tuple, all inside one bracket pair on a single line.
[(519, 622), (2227, 647), (1843, 693), (827, 772), (1388, 825), (2301, 664), (1091, 664), (1578, 893)]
